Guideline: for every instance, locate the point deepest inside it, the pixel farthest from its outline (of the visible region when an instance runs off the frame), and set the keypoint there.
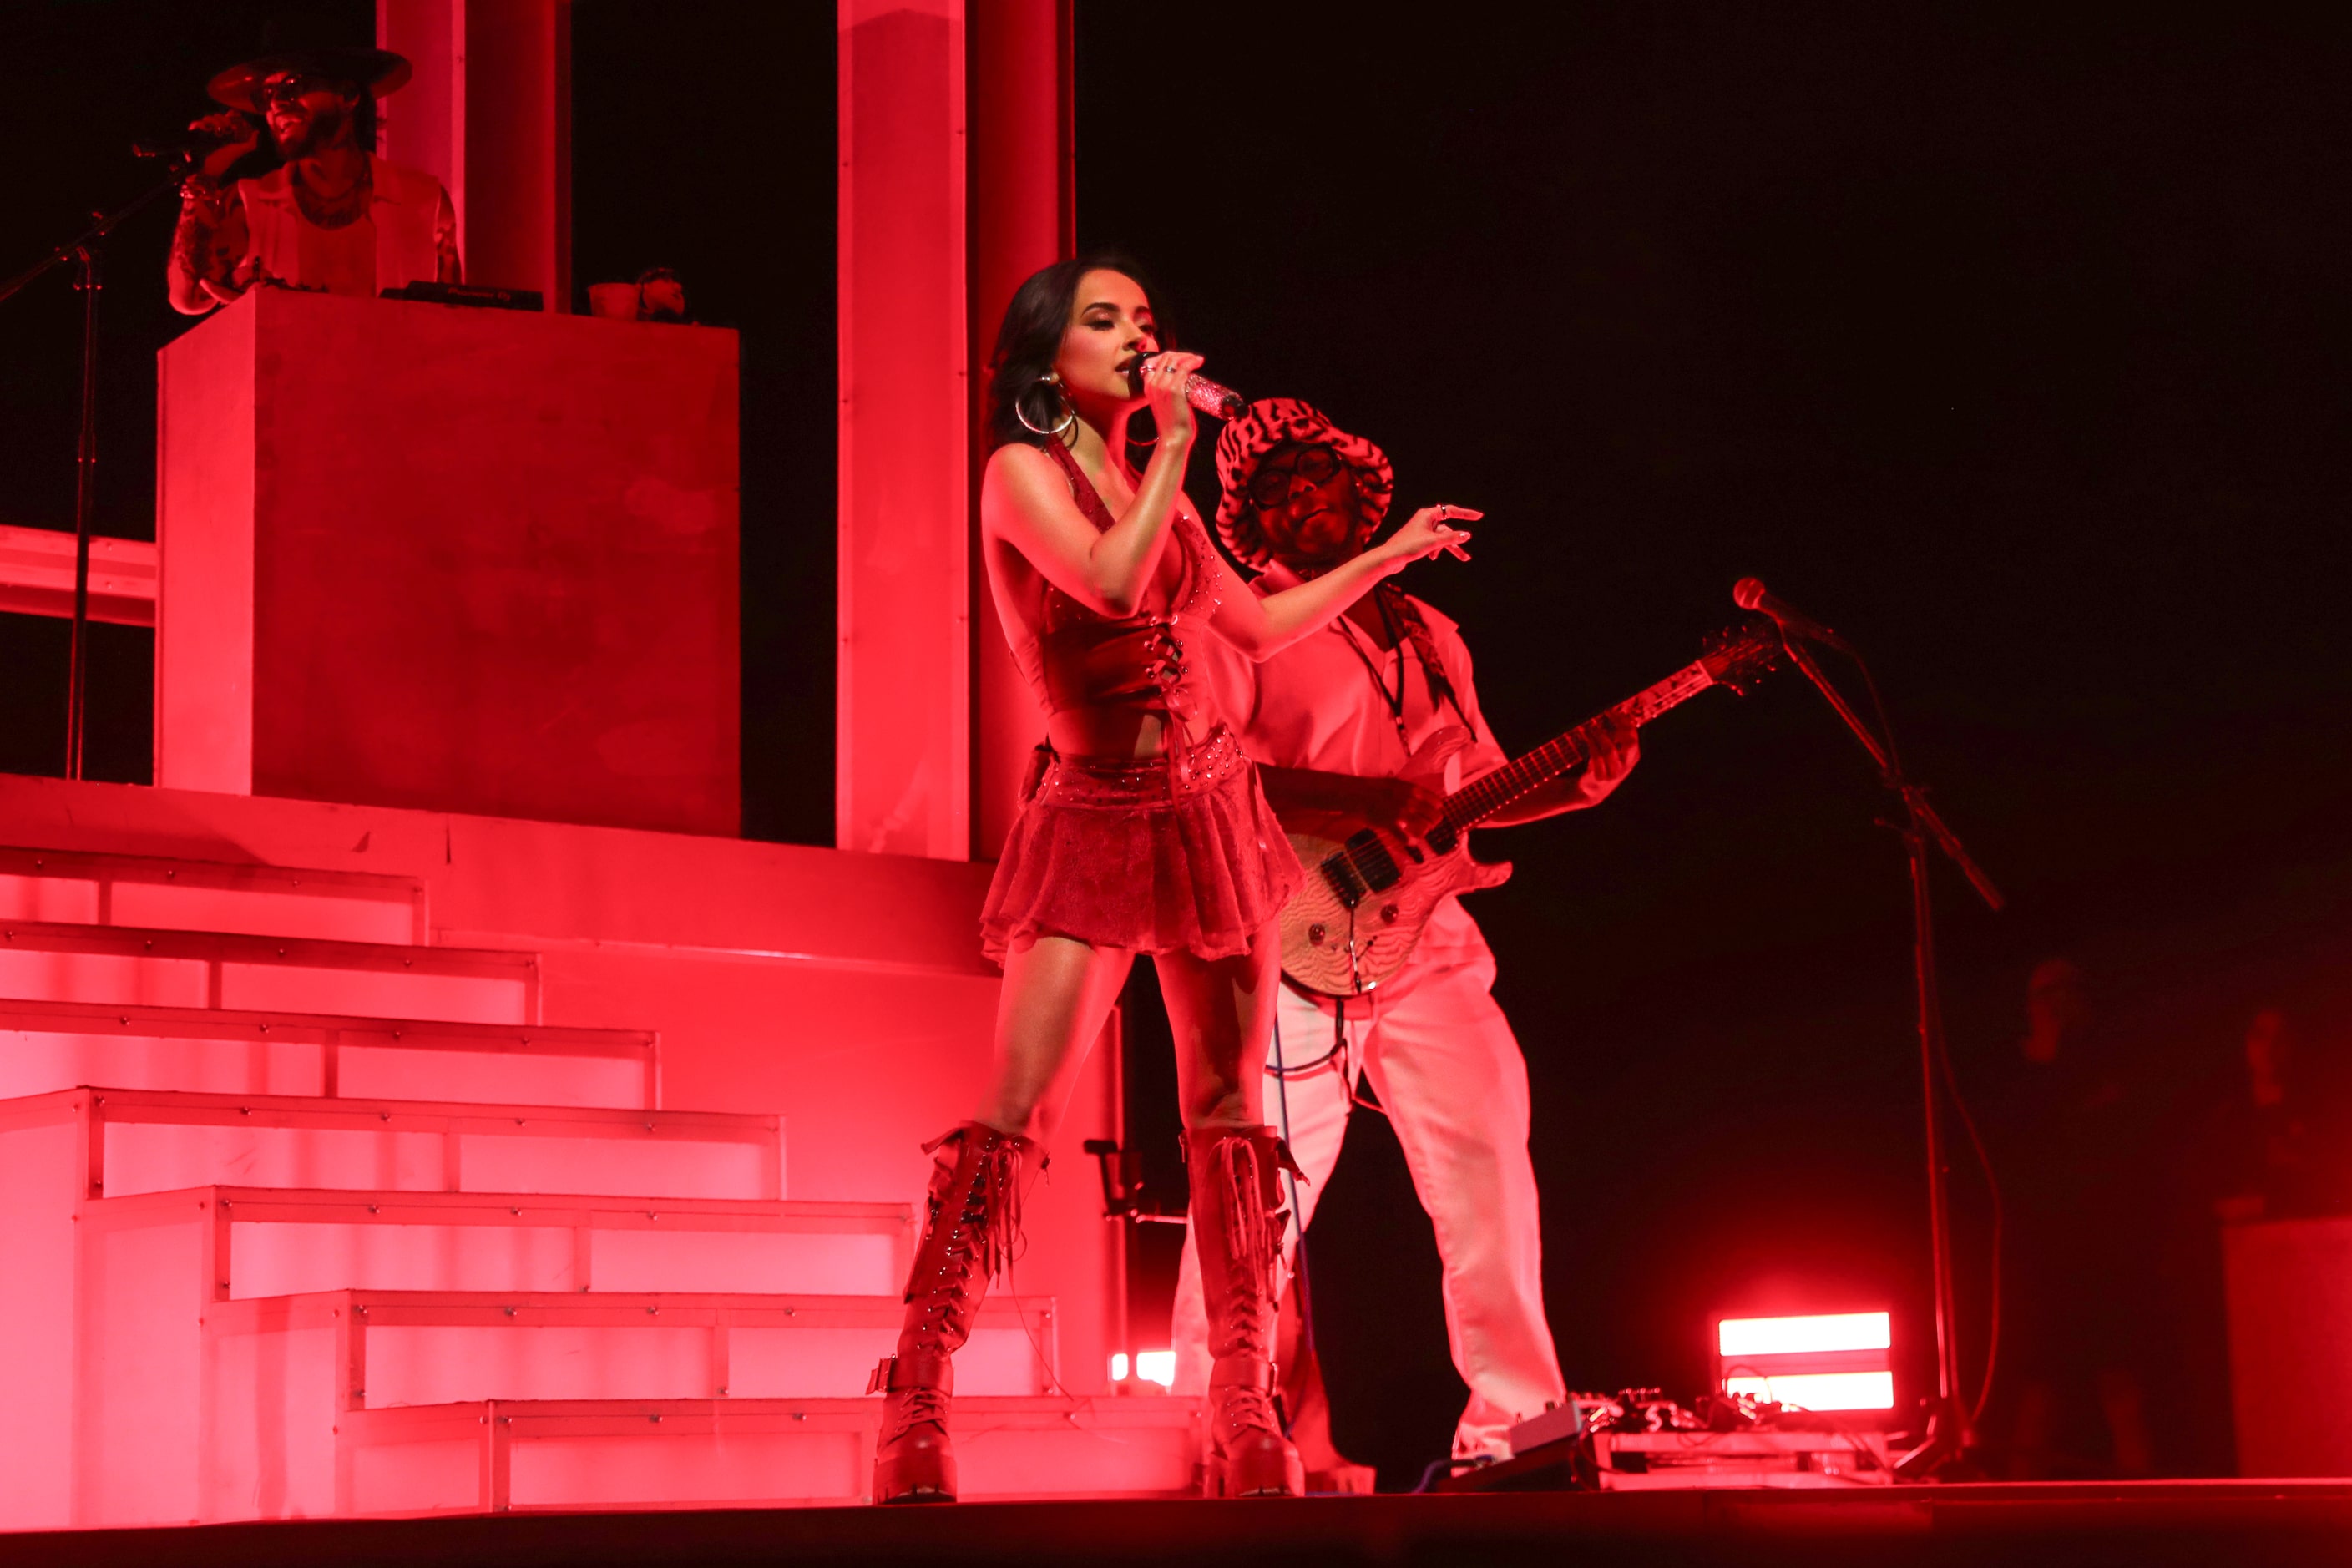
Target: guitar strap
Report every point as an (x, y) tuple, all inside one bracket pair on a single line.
[(1407, 613)]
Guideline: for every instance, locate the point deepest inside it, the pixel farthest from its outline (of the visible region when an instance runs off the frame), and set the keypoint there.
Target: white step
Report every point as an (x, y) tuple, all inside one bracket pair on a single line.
[(225, 1242), (46, 1046), (373, 1349), (495, 1456), (205, 895), (64, 962), (152, 1269), (115, 1142)]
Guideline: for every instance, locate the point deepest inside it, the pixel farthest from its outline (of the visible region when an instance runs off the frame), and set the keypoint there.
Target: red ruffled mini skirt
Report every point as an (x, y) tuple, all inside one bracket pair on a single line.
[(1171, 854)]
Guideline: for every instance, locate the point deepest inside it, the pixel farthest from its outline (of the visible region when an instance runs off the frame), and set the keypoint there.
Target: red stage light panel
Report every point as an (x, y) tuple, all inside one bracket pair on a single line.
[(1150, 1366), (1822, 1360)]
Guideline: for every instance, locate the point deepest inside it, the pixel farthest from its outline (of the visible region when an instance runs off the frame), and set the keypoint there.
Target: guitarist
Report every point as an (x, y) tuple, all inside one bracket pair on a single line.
[(1370, 722)]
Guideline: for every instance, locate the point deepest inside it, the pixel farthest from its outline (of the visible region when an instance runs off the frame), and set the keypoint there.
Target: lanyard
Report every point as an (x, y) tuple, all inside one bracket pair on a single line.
[(1392, 701)]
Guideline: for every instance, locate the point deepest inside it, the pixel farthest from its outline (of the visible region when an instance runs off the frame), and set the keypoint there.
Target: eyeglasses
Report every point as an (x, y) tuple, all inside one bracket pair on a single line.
[(1270, 487), (284, 88)]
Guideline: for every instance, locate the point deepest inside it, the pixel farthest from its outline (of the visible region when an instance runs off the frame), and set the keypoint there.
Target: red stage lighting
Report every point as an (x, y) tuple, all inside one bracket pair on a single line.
[(1831, 1361), (1150, 1366)]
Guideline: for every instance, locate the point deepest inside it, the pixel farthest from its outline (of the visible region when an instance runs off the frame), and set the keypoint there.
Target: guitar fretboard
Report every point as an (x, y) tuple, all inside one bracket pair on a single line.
[(1481, 798)]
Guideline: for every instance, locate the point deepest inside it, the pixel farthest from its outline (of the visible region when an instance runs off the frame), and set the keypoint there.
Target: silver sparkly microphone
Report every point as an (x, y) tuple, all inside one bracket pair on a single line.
[(1208, 397)]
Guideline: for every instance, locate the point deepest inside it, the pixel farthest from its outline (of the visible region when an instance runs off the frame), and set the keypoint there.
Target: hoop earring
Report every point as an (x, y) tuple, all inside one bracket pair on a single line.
[(1061, 427)]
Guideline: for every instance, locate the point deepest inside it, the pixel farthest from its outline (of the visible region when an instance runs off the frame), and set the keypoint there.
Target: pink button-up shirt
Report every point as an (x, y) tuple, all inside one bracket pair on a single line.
[(1314, 705)]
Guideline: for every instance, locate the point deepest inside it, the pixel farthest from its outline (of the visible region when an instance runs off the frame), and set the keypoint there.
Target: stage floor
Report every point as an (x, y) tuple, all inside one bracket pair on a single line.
[(2155, 1521)]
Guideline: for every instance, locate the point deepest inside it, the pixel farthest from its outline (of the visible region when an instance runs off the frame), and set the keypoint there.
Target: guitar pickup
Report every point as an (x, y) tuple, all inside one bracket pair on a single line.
[(1370, 860), (1341, 872)]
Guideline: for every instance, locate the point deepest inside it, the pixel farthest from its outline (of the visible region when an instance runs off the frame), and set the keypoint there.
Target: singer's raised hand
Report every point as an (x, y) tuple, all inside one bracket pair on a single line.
[(1165, 377), (238, 135), (1428, 533)]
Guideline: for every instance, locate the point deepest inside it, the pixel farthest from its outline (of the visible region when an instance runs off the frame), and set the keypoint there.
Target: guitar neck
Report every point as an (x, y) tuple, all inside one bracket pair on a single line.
[(1560, 755)]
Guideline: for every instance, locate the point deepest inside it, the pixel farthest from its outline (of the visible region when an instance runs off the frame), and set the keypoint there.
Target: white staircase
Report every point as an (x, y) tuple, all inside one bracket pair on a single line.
[(235, 968), (307, 1216)]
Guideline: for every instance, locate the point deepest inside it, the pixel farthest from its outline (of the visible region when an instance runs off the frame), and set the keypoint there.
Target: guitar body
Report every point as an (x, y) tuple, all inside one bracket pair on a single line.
[(1338, 943)]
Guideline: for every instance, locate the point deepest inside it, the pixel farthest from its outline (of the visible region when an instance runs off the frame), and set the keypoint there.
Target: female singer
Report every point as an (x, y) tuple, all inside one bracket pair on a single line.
[(1143, 831)]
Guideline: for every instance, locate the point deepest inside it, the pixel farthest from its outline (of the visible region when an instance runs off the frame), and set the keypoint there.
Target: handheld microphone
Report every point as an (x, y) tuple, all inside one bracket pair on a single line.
[(1208, 397), (1749, 594)]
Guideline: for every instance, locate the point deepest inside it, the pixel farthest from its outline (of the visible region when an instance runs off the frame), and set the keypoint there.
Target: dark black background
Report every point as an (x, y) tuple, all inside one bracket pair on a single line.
[(2009, 340), (2012, 340)]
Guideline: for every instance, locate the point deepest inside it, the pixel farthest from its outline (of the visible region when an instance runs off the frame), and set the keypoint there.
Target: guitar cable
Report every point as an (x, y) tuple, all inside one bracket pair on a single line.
[(1339, 1046)]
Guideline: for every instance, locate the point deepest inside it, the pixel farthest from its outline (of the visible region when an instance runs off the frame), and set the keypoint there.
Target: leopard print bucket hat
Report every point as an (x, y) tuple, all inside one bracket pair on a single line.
[(1269, 423)]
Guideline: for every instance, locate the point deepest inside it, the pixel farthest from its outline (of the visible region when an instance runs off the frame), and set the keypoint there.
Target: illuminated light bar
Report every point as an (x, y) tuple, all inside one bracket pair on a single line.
[(1805, 1336), (1820, 1390), (1150, 1366)]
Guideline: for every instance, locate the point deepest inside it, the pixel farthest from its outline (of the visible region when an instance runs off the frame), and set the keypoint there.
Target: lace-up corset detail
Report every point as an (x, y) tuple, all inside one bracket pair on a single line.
[(1081, 659)]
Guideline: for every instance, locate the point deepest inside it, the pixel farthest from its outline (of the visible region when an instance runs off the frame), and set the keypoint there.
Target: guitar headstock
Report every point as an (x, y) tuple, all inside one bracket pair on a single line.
[(1739, 656)]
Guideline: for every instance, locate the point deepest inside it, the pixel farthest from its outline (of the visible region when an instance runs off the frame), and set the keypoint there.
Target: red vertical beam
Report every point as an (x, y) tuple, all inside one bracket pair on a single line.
[(1023, 205), (425, 126), (517, 156), (903, 718), (488, 112)]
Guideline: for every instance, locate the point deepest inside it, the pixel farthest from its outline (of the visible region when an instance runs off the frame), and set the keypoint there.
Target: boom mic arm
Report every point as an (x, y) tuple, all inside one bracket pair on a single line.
[(1749, 594)]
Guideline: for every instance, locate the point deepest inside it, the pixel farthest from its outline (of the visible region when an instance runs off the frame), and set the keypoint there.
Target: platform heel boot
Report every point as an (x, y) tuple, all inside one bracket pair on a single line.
[(1237, 1224), (970, 1233)]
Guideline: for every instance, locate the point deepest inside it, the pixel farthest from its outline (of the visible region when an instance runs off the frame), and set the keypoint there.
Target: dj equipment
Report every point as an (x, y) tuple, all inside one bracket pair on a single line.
[(1208, 397), (476, 294), (1354, 921)]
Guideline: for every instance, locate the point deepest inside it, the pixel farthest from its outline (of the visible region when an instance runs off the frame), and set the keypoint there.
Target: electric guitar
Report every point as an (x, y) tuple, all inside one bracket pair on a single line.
[(1355, 920)]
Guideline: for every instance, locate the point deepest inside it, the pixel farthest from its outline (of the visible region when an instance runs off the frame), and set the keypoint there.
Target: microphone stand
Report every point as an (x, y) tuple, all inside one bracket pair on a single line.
[(1950, 1432), (83, 251)]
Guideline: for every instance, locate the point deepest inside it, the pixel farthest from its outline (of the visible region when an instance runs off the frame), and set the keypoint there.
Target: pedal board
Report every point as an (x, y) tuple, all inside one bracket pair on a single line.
[(1639, 1441), (1653, 1461)]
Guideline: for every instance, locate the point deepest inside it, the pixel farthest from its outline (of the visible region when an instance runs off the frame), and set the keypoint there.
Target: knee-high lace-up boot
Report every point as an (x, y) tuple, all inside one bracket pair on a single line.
[(968, 1236), (1238, 1222)]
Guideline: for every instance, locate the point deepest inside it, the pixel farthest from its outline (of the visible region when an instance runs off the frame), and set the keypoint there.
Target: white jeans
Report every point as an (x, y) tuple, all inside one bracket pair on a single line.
[(1442, 1058)]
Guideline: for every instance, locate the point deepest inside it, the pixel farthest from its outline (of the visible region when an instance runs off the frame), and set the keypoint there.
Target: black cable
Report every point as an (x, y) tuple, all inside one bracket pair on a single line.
[(1428, 1474), (1339, 1043)]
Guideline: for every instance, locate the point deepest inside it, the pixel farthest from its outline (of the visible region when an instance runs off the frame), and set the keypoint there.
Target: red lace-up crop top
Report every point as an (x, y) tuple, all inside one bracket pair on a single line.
[(1080, 659)]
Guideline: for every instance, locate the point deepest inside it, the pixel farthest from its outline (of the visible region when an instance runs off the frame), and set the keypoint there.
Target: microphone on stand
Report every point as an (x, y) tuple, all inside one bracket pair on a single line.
[(1208, 397), (203, 137), (1749, 594)]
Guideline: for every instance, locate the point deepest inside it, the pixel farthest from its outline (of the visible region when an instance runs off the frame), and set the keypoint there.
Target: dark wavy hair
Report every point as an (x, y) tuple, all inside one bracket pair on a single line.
[(1031, 337)]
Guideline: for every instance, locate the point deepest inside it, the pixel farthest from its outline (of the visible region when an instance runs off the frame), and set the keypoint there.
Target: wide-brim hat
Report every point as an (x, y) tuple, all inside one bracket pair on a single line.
[(1272, 421), (377, 70)]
